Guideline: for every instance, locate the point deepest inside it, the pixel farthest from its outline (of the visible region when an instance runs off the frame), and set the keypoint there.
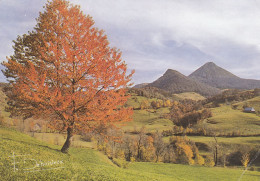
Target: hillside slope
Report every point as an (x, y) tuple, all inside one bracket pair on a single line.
[(88, 164), (138, 86), (175, 82), (228, 121), (216, 76)]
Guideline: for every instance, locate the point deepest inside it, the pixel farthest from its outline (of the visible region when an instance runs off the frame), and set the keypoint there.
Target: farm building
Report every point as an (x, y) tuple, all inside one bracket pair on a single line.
[(249, 109)]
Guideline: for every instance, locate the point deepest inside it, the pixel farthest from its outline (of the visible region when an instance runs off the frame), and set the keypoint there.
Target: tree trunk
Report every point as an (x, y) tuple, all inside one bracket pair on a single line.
[(157, 158), (216, 159), (65, 147), (216, 151)]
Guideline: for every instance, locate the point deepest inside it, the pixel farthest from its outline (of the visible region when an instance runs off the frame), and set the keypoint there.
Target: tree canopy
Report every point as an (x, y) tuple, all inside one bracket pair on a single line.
[(66, 72)]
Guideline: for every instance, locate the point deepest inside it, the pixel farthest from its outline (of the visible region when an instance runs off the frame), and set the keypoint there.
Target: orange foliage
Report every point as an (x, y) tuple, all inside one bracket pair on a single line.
[(65, 71)]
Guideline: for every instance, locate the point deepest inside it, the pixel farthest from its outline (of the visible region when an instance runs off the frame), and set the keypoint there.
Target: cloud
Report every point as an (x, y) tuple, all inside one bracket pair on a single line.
[(16, 18), (156, 35), (226, 32)]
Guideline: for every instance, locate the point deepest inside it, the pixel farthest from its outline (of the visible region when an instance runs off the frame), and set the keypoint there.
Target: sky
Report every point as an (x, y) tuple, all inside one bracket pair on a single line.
[(158, 35)]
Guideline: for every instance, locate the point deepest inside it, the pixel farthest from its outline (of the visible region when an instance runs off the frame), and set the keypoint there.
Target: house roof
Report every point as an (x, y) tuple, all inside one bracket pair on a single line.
[(249, 109)]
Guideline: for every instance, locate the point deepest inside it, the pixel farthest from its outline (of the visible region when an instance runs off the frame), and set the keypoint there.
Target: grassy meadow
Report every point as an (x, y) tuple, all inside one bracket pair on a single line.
[(89, 164), (226, 120), (152, 119), (254, 102), (188, 95), (84, 162)]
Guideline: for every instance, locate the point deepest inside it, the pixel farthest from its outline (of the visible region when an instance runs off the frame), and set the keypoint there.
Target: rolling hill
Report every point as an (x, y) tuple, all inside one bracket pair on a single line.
[(89, 164), (138, 86), (218, 77), (175, 82)]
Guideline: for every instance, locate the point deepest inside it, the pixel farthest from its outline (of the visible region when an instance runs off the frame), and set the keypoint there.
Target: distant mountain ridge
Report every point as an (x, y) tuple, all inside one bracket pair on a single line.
[(175, 82), (207, 80), (138, 86), (218, 77)]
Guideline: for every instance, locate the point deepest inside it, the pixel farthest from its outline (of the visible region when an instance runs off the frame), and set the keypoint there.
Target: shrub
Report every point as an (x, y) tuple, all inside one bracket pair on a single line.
[(86, 137), (120, 162), (245, 159), (183, 149), (199, 159), (209, 161)]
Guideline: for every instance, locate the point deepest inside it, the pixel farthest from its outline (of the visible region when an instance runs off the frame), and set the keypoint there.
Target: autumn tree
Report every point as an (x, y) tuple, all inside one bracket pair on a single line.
[(245, 159), (183, 150), (114, 148), (65, 71), (198, 158), (159, 145), (140, 142), (167, 103), (144, 104), (188, 113), (154, 104), (148, 149), (215, 152), (129, 147)]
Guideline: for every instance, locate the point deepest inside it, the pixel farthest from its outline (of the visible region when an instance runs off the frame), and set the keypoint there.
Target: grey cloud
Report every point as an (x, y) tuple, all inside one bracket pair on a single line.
[(156, 35)]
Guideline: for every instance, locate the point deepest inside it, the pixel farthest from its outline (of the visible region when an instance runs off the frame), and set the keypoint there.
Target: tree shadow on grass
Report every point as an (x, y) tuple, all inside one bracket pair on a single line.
[(35, 144), (255, 141)]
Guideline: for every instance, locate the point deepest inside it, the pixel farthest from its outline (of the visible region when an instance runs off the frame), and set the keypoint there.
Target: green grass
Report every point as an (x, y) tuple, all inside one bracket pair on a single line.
[(184, 172), (227, 120), (247, 141), (254, 102), (135, 101), (188, 95), (89, 164), (151, 119), (59, 139)]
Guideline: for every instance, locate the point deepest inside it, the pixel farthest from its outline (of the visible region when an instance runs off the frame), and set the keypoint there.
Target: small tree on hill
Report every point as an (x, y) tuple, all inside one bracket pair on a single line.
[(159, 145), (65, 71), (245, 159)]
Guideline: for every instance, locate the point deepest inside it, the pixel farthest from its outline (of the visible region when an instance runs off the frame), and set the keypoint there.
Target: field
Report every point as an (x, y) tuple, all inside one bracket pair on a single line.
[(59, 139), (152, 119), (89, 164), (234, 128), (246, 141), (254, 102), (226, 120), (188, 95)]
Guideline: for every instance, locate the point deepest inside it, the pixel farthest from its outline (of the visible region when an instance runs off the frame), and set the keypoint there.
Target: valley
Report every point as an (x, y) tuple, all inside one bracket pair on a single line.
[(229, 129)]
